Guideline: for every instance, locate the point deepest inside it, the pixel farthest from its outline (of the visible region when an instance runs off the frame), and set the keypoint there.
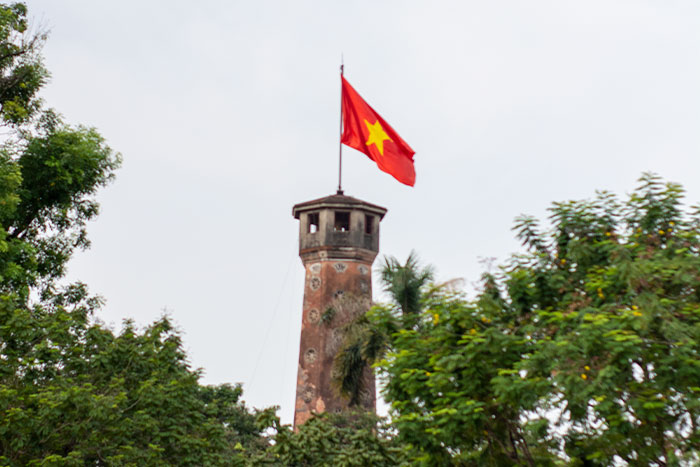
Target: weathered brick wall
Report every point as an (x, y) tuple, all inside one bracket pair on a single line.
[(335, 293)]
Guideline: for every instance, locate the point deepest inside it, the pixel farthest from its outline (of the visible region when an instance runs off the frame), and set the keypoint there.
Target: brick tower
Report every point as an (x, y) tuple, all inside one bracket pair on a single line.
[(338, 241)]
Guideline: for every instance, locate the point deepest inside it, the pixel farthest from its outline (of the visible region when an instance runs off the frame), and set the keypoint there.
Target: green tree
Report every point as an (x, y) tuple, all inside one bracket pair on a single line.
[(584, 349), (22, 73), (49, 171), (73, 392), (364, 342), (332, 440), (405, 283)]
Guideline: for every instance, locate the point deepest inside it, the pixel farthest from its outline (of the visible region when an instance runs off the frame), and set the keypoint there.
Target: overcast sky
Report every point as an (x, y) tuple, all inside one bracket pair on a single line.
[(226, 114)]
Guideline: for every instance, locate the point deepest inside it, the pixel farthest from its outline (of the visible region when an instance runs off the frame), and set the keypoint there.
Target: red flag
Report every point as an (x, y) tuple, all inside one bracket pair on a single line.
[(366, 131)]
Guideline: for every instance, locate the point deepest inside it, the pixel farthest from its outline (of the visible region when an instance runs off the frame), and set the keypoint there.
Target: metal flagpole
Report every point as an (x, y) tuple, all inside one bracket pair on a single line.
[(340, 145)]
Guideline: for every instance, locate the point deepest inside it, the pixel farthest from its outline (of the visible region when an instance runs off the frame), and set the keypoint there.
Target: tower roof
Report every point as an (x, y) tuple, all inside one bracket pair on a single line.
[(337, 201)]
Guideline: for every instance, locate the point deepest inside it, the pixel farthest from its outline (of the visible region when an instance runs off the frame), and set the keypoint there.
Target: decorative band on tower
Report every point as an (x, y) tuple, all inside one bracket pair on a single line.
[(338, 241)]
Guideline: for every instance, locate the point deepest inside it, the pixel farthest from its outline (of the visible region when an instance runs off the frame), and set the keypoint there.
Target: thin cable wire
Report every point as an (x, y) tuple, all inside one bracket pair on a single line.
[(287, 356), (272, 319)]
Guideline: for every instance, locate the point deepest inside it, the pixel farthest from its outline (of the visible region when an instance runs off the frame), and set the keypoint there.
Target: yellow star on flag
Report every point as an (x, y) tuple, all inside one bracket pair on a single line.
[(377, 135)]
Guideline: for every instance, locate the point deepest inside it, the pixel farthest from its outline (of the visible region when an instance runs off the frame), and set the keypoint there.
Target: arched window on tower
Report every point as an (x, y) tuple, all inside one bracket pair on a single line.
[(313, 222), (342, 221), (369, 224)]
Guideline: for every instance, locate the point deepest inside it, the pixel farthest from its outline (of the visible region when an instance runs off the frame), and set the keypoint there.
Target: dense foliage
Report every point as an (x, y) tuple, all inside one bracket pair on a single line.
[(339, 440), (584, 350), (365, 341), (72, 392)]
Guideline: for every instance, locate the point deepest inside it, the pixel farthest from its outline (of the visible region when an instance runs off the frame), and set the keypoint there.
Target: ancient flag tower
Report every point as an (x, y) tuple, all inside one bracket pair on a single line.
[(338, 241)]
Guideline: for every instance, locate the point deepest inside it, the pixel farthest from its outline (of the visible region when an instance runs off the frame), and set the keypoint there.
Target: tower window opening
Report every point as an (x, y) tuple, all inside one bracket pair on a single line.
[(342, 221), (369, 224), (313, 222)]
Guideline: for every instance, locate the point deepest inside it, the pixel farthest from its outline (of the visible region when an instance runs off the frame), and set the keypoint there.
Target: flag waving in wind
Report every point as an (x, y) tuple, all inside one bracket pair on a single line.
[(366, 131)]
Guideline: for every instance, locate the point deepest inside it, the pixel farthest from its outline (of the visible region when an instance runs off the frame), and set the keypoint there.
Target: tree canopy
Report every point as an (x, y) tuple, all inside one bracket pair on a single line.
[(583, 350), (343, 440), (72, 391)]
